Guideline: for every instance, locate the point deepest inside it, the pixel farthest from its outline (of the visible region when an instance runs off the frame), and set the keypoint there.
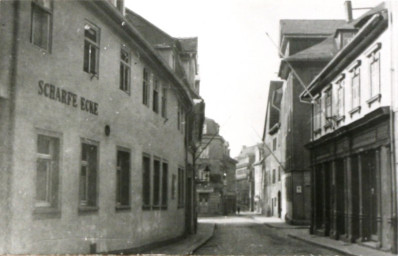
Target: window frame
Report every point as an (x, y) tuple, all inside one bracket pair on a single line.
[(155, 95), (85, 206), (181, 188), (375, 59), (146, 182), (119, 205), (125, 67), (164, 101), (52, 201), (91, 43), (356, 86), (35, 5), (156, 184), (146, 78), (165, 185)]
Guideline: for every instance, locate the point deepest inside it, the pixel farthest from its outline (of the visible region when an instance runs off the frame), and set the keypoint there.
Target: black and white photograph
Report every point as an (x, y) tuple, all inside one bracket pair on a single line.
[(199, 127)]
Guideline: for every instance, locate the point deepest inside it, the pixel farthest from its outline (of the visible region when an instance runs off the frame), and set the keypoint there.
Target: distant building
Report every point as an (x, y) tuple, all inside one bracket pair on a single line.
[(215, 189), (245, 177), (353, 175), (96, 129), (306, 49)]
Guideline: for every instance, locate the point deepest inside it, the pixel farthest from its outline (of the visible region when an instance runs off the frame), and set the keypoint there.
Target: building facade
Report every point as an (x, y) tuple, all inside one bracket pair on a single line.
[(96, 127), (352, 157), (305, 48), (245, 177), (216, 193), (272, 166)]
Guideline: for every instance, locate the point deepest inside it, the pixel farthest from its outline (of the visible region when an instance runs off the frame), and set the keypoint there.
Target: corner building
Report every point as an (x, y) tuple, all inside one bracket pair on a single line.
[(353, 186), (95, 127)]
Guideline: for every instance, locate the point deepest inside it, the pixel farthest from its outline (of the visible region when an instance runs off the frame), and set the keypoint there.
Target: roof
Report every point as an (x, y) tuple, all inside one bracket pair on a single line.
[(152, 34), (189, 44), (324, 51), (309, 27), (377, 19)]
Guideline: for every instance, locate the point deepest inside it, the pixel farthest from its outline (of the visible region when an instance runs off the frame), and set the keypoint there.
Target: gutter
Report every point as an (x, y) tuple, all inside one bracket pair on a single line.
[(141, 42), (344, 53)]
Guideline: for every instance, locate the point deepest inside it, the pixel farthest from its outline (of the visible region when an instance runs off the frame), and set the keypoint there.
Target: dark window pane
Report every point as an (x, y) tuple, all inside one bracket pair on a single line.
[(86, 64), (165, 185), (146, 186), (43, 145), (156, 182), (42, 182), (40, 27)]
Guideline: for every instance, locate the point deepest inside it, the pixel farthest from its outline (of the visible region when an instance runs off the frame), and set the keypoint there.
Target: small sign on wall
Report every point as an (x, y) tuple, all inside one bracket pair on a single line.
[(298, 189)]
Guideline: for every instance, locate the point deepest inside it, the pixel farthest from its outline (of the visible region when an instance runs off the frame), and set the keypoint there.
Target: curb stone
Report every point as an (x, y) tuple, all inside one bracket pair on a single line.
[(204, 241), (322, 245)]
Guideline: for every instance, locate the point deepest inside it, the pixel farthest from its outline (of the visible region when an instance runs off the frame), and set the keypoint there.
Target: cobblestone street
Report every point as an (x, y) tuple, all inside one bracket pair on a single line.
[(242, 235)]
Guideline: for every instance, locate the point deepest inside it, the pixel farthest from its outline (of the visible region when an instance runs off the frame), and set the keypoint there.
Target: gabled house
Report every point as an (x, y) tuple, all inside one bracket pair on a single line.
[(353, 187), (216, 191), (97, 132), (306, 49)]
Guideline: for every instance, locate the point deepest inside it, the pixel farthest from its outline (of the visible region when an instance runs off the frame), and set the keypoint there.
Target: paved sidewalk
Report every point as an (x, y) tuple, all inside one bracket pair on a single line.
[(302, 233), (189, 244)]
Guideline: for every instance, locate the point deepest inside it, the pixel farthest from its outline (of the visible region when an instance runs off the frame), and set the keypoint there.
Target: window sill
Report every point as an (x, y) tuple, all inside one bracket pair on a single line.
[(91, 75), (88, 209), (340, 119), (146, 207), (155, 207), (327, 126), (120, 208), (317, 131), (355, 110), (375, 98), (46, 212)]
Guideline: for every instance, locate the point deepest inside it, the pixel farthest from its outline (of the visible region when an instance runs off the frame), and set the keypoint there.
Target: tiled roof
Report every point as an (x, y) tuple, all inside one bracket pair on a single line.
[(152, 34), (189, 44), (309, 27), (325, 50)]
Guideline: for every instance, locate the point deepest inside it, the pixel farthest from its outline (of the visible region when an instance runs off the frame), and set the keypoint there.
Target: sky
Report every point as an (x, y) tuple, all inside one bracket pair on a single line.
[(237, 60)]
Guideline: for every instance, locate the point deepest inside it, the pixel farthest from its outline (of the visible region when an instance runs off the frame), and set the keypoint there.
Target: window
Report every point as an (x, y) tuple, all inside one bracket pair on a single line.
[(41, 23), (273, 144), (182, 124), (164, 102), (156, 184), (340, 98), (173, 186), (181, 190), (204, 153), (47, 171), (355, 88), (273, 176), (328, 104), (317, 115), (125, 71), (145, 88), (91, 49), (123, 179), (165, 177), (88, 175), (374, 73), (146, 182), (155, 103)]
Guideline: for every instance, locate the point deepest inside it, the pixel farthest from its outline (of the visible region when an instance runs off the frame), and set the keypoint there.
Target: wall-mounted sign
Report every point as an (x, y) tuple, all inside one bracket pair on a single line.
[(298, 189), (67, 97)]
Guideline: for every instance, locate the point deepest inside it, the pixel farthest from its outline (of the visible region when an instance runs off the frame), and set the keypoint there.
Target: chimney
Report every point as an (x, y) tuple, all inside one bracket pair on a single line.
[(348, 9)]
